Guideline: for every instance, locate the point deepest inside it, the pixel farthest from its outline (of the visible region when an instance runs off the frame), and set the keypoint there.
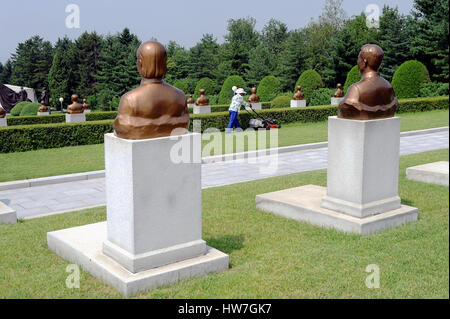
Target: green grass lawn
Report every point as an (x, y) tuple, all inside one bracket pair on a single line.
[(77, 159), (271, 257)]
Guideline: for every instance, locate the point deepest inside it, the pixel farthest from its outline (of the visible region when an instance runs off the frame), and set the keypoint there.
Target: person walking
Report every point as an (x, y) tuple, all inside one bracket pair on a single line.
[(235, 108)]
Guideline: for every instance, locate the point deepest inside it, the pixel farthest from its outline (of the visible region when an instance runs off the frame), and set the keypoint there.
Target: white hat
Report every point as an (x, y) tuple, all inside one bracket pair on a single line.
[(239, 91)]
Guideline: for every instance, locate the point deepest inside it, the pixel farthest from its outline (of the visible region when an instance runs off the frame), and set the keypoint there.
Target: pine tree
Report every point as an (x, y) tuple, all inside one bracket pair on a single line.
[(5, 75), (203, 57), (261, 63)]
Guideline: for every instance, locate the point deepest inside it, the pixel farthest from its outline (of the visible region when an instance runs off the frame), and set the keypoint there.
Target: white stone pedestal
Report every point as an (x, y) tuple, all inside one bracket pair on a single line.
[(432, 173), (202, 109), (3, 122), (74, 118), (43, 113), (336, 100), (87, 111), (362, 181), (298, 103), (152, 236), (7, 214), (191, 105), (256, 106)]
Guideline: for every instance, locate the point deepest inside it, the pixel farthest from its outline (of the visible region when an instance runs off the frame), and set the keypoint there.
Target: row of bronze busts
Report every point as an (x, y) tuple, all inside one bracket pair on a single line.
[(203, 100)]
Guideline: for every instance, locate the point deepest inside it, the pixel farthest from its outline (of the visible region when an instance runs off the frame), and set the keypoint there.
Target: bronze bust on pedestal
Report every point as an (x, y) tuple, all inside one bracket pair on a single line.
[(253, 97), (299, 95), (373, 97), (155, 108), (75, 107), (203, 99)]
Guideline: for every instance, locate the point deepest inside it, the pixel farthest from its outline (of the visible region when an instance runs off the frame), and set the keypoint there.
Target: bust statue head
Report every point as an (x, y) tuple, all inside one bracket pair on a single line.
[(253, 97), (85, 105), (75, 107), (339, 92), (43, 108), (2, 112), (299, 94), (202, 100), (190, 99), (370, 58), (151, 60)]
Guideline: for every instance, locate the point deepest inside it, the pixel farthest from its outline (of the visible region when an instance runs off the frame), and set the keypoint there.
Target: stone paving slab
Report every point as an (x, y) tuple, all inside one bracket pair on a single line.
[(91, 192), (433, 173)]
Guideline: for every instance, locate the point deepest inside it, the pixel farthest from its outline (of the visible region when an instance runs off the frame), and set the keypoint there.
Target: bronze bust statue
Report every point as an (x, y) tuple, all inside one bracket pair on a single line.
[(85, 105), (253, 98), (75, 107), (155, 108), (190, 99), (339, 92), (299, 94), (203, 99), (2, 112), (373, 97), (43, 108)]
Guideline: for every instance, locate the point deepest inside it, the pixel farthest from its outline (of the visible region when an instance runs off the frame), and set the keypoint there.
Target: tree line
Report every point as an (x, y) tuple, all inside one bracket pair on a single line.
[(105, 66)]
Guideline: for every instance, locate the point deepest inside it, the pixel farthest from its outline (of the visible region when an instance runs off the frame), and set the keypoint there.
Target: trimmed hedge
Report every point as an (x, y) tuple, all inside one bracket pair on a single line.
[(226, 94), (269, 88), (408, 78), (15, 111), (353, 76), (32, 137), (310, 80), (321, 96), (281, 101), (432, 89)]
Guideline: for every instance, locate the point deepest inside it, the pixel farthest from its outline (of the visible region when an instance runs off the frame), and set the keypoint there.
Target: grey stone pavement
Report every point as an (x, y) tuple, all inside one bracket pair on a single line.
[(39, 200)]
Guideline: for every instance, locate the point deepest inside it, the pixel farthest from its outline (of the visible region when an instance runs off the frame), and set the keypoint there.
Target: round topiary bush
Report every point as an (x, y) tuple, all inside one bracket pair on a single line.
[(207, 84), (321, 96), (408, 78), (181, 85), (281, 101), (15, 111), (30, 109), (353, 76), (269, 88), (310, 80), (226, 94), (433, 89)]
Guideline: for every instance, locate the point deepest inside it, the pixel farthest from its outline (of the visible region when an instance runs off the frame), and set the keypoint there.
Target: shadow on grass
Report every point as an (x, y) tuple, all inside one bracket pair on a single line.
[(227, 243), (407, 202)]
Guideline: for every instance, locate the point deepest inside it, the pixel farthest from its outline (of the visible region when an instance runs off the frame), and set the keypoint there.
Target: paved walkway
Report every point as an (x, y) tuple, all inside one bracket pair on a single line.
[(39, 200)]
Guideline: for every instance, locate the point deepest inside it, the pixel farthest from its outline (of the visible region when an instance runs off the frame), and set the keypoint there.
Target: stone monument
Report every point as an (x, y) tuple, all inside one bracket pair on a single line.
[(43, 109), (202, 104), (3, 121), (299, 98), (75, 111), (363, 158), (86, 108), (338, 95), (153, 232), (190, 101), (254, 100)]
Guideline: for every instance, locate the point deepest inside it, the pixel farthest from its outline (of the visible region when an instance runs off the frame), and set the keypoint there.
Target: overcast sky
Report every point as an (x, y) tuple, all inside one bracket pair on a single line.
[(184, 21)]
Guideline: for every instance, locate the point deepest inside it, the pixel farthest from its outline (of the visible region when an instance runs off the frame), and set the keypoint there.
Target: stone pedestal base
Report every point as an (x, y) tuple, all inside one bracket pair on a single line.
[(432, 173), (298, 103), (304, 204), (191, 105), (3, 122), (362, 175), (336, 100), (7, 214), (74, 118), (43, 113), (87, 111), (202, 109), (256, 106), (83, 246)]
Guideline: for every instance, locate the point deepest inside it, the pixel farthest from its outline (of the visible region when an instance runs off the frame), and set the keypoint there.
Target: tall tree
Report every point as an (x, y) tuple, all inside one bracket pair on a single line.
[(261, 63), (430, 39), (177, 62), (204, 57), (273, 35), (5, 75), (88, 48)]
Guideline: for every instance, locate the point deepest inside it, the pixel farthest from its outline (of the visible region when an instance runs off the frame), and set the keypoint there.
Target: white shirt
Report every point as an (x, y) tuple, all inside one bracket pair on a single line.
[(236, 103)]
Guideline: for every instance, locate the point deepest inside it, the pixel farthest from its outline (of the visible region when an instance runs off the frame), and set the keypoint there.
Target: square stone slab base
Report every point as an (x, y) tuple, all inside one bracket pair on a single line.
[(83, 245), (304, 204), (433, 173)]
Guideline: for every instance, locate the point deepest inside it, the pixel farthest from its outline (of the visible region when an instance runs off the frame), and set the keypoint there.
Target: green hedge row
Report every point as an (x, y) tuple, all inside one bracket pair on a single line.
[(22, 138)]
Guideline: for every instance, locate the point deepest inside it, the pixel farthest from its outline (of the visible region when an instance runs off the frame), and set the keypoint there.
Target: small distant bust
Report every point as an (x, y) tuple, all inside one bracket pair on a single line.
[(203, 99), (155, 108), (190, 99), (373, 97), (2, 112), (75, 107), (299, 94), (43, 108), (253, 98), (85, 105), (339, 92)]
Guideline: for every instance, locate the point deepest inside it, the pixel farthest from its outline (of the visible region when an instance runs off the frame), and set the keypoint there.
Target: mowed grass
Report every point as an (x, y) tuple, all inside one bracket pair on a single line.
[(271, 256), (86, 158)]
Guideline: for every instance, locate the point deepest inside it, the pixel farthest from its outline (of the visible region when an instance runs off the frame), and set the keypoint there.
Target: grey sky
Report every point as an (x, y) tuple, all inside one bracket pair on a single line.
[(182, 21)]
